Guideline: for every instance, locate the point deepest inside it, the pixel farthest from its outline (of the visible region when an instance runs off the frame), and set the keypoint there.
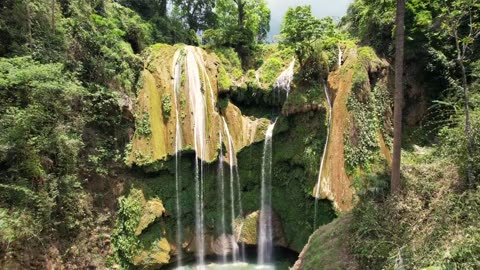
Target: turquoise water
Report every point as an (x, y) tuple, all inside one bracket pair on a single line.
[(234, 266)]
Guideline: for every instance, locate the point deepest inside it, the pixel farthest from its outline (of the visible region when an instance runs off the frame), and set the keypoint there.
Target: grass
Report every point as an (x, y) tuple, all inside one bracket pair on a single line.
[(431, 224)]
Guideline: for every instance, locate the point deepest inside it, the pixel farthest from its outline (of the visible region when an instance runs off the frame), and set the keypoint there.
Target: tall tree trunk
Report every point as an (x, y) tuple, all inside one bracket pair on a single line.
[(53, 16), (241, 13), (468, 128), (395, 184), (29, 24), (163, 8)]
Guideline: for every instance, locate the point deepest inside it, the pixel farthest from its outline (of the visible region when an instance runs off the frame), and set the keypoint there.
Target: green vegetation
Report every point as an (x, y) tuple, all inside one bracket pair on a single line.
[(71, 73), (241, 24), (166, 106), (39, 147), (300, 29), (143, 122), (432, 223), (131, 240)]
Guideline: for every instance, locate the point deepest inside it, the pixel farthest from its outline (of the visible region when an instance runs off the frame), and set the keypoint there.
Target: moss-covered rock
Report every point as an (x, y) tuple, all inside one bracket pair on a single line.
[(157, 103), (247, 229), (157, 255), (152, 210), (328, 248), (356, 135), (137, 218)]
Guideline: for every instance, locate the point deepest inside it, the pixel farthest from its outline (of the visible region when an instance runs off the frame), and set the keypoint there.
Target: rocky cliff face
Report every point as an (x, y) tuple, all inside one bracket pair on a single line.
[(247, 102), (361, 120)]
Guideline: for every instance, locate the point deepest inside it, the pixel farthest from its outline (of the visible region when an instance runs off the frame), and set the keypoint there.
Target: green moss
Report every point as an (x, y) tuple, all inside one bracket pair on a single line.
[(152, 210), (135, 240), (328, 247), (143, 125), (271, 70), (166, 106), (224, 81), (298, 98)]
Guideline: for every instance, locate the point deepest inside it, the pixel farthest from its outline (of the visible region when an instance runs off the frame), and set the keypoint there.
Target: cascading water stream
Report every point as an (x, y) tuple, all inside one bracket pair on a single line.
[(207, 82), (284, 80), (240, 211), (221, 194), (198, 106), (340, 56), (317, 192), (265, 231), (177, 70), (231, 154)]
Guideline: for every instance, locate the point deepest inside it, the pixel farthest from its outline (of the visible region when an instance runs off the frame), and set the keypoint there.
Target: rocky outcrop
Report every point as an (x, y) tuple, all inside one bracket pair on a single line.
[(224, 244), (327, 248), (152, 210), (246, 229), (157, 102), (361, 73)]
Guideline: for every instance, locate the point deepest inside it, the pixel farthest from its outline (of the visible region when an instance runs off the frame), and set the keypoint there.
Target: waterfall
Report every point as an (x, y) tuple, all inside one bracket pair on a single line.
[(221, 193), (240, 211), (285, 79), (231, 153), (198, 107), (340, 56), (177, 70), (317, 192), (265, 232)]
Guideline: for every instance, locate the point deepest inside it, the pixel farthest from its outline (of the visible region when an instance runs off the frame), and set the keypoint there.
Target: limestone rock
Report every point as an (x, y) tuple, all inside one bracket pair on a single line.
[(158, 102), (224, 244), (157, 255), (246, 229), (335, 183), (152, 210)]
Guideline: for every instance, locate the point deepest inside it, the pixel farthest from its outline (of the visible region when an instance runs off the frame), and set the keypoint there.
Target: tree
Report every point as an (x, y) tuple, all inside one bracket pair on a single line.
[(395, 184), (147, 8), (40, 139), (455, 14), (196, 14), (300, 30), (241, 24), (372, 22)]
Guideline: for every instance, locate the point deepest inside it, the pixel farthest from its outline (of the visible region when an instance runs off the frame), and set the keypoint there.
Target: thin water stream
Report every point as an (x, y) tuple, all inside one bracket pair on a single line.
[(198, 107), (265, 227), (317, 192), (177, 71)]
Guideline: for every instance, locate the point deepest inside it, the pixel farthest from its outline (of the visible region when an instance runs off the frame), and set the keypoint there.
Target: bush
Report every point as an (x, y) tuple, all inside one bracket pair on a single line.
[(432, 223), (166, 106)]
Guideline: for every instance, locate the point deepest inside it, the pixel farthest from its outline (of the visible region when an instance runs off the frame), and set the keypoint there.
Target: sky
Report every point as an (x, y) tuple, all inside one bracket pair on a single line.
[(320, 9)]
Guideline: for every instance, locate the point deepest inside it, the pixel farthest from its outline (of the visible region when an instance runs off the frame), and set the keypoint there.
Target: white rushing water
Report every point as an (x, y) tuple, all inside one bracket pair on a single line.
[(231, 154), (240, 211), (206, 79), (177, 73), (284, 80), (221, 193), (198, 107), (230, 266), (317, 193), (265, 234), (340, 56)]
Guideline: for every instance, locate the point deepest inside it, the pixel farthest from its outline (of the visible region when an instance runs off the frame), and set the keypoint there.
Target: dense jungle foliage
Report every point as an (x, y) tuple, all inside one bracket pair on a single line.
[(69, 71)]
